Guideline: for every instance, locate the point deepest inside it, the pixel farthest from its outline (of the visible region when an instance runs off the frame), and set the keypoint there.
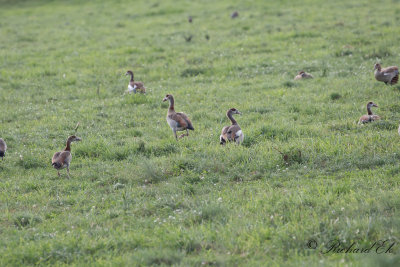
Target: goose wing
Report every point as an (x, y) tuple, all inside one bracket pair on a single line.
[(233, 132), (184, 121), (390, 70), (62, 157)]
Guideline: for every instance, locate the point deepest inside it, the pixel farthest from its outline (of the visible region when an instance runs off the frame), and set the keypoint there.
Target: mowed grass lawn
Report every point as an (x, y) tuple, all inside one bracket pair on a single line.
[(138, 197)]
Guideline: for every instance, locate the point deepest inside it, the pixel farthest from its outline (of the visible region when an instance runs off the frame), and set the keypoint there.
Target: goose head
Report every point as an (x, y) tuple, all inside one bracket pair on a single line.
[(377, 66), (129, 72), (234, 111), (167, 97), (371, 104), (74, 138)]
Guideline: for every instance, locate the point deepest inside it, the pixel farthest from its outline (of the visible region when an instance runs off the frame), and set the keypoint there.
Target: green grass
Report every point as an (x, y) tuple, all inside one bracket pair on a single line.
[(138, 197)]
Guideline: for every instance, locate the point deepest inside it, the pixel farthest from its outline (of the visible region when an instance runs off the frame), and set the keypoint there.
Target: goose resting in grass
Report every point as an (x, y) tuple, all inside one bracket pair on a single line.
[(63, 158), (303, 75), (135, 86), (3, 148), (389, 75), (178, 121), (370, 117), (234, 132)]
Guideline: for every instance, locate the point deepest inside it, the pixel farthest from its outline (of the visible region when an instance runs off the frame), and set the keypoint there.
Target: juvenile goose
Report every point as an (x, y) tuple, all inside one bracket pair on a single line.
[(3, 148), (234, 132), (389, 75), (63, 158), (303, 75), (135, 86), (178, 121), (370, 117)]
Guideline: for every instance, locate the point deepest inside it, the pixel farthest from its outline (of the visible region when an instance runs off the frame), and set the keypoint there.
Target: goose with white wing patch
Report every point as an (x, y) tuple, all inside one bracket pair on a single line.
[(389, 75), (234, 132), (135, 86)]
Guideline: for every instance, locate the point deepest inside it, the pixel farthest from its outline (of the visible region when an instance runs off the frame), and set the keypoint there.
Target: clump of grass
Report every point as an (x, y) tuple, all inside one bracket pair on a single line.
[(381, 52), (291, 156), (159, 257), (190, 72), (25, 220), (31, 162), (289, 84), (151, 172), (335, 96), (384, 125), (212, 212), (272, 132)]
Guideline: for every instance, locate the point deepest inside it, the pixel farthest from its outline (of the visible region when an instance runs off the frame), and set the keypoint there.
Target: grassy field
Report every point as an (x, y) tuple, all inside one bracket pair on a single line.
[(138, 197)]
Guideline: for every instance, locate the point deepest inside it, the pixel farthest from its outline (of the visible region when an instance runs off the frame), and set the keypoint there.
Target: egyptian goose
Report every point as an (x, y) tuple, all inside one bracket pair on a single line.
[(190, 19), (303, 75), (234, 132), (63, 158), (178, 121), (3, 148), (135, 86), (370, 117), (389, 75), (235, 14)]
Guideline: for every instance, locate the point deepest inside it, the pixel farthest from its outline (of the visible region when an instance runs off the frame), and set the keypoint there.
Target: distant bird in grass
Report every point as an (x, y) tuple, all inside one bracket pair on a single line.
[(235, 14), (207, 37), (190, 19), (389, 75), (370, 116), (176, 120), (63, 158), (234, 132), (303, 75), (3, 148), (135, 86), (188, 38)]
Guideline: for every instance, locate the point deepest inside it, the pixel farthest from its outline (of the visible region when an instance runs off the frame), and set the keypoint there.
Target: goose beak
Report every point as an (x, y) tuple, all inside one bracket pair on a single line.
[(240, 113), (78, 139), (375, 105), (126, 74), (165, 99)]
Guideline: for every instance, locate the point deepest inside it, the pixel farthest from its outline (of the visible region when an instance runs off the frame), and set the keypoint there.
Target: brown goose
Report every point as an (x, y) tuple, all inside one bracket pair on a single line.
[(135, 86), (177, 121), (389, 75), (303, 75), (234, 132), (63, 158), (3, 148), (370, 117)]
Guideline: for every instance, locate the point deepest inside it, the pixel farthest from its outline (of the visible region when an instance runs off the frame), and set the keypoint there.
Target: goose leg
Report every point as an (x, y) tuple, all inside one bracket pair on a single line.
[(186, 134), (68, 171), (176, 137), (58, 173)]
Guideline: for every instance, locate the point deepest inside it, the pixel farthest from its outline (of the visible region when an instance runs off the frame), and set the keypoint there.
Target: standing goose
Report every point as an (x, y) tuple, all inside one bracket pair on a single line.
[(303, 75), (178, 121), (135, 86), (63, 158), (370, 117), (389, 75), (234, 132), (3, 148)]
